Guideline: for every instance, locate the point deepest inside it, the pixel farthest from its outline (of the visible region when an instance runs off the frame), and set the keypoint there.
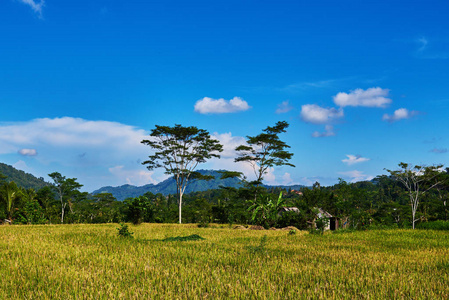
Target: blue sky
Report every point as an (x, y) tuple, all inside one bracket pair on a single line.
[(363, 84)]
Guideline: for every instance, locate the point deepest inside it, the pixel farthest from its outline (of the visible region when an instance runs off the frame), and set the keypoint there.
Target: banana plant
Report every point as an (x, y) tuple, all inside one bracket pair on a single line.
[(265, 210), (9, 193)]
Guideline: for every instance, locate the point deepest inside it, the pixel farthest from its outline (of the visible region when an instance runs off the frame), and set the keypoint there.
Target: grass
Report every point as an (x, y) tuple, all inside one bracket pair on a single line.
[(92, 262)]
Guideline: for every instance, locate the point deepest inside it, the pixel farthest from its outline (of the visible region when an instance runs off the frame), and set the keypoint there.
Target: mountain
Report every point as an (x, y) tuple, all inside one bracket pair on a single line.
[(168, 186), (21, 178)]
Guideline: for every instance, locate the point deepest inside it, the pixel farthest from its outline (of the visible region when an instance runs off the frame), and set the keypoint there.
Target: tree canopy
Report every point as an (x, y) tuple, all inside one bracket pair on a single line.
[(265, 150)]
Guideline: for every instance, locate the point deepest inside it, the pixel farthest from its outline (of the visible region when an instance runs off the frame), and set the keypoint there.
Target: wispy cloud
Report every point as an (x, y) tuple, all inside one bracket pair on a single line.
[(219, 106), (315, 114), (372, 97), (328, 131), (36, 7), (431, 48), (399, 114), (439, 150), (311, 84), (321, 84), (422, 42), (354, 159), (284, 107)]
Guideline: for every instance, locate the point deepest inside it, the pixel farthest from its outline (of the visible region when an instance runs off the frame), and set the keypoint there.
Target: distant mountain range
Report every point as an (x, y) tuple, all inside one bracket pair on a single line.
[(168, 186), (21, 178)]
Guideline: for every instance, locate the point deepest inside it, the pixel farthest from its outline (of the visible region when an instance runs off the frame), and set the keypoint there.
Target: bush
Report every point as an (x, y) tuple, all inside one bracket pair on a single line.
[(123, 231), (434, 225)]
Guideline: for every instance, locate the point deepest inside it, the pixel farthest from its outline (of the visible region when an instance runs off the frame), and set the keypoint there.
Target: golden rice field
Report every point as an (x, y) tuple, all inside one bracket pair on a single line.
[(92, 262)]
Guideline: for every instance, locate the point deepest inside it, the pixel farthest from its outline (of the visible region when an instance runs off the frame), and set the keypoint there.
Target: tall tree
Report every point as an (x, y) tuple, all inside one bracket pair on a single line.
[(65, 188), (265, 150), (179, 150), (417, 180)]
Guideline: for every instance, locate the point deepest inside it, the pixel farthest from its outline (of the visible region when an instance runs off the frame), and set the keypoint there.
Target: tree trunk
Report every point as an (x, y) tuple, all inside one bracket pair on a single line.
[(62, 212), (180, 206)]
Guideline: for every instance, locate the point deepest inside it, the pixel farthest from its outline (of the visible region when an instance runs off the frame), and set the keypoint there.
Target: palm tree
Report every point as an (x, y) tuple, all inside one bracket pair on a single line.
[(9, 192)]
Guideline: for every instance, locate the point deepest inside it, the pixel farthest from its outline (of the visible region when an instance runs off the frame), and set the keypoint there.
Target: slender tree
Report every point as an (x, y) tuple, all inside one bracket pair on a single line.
[(417, 180), (179, 150), (265, 150), (65, 188)]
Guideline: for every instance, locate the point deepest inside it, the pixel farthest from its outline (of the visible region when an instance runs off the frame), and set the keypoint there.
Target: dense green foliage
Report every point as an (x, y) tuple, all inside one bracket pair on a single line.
[(381, 203), (21, 178)]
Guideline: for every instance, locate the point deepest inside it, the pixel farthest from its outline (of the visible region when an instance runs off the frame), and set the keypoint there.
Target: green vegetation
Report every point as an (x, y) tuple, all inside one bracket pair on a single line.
[(434, 225), (381, 203), (193, 237), (92, 262), (123, 231), (21, 178)]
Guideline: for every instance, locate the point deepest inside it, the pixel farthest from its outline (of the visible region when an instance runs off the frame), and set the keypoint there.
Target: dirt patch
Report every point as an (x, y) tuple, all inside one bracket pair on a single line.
[(239, 227), (256, 227), (290, 228)]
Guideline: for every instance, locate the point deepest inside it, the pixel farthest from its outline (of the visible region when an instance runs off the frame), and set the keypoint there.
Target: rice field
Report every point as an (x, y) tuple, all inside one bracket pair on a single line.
[(92, 262)]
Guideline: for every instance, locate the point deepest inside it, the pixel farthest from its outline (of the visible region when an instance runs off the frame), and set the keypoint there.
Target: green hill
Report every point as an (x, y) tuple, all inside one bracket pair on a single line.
[(21, 178)]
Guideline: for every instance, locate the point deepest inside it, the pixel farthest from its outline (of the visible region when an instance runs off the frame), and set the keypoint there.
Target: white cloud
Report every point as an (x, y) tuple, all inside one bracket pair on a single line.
[(354, 159), (69, 132), (284, 107), (219, 106), (133, 177), (28, 152), (78, 148), (356, 176), (329, 131), (229, 143), (36, 7), (21, 165), (269, 177), (286, 179), (372, 97), (315, 114), (399, 114)]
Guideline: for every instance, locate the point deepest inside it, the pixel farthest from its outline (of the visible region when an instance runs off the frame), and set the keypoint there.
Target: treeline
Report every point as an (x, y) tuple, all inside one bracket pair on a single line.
[(383, 201)]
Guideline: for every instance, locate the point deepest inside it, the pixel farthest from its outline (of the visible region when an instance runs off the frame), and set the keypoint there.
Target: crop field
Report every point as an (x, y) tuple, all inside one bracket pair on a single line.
[(93, 262)]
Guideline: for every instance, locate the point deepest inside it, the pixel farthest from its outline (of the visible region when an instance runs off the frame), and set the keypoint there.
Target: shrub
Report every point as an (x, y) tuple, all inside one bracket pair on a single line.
[(123, 231), (434, 225)]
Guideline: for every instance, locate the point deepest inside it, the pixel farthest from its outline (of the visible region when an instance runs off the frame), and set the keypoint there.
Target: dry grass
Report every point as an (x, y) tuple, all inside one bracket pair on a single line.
[(92, 262)]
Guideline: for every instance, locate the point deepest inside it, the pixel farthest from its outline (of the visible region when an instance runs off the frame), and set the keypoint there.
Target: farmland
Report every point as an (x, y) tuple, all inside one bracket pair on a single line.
[(92, 262)]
